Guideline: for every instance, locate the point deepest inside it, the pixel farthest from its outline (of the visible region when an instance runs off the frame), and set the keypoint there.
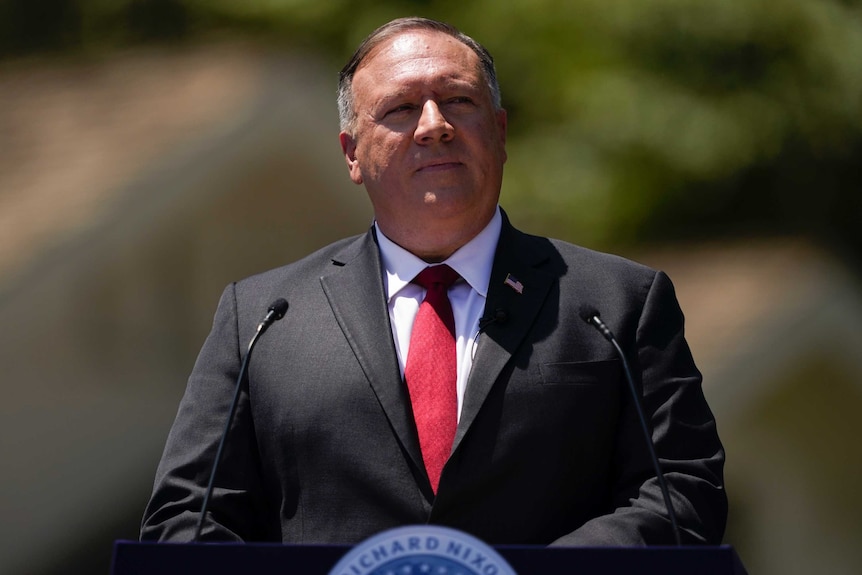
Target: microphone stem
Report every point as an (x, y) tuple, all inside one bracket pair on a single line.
[(646, 432), (233, 406)]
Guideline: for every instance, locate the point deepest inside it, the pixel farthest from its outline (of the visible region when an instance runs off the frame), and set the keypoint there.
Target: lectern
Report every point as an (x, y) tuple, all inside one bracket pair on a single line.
[(133, 558)]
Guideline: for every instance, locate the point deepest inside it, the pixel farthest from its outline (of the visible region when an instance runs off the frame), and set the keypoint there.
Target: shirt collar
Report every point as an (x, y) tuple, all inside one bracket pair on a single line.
[(472, 261)]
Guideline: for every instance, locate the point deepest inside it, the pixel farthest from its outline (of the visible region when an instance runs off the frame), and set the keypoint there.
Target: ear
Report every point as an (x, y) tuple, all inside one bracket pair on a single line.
[(502, 124), (348, 146)]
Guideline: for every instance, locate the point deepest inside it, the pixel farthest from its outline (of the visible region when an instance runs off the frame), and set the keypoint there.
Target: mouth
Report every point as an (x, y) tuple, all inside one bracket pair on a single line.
[(439, 166)]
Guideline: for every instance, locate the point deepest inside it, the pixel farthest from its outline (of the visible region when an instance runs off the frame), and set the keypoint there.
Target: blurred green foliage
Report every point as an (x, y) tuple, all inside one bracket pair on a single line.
[(629, 120)]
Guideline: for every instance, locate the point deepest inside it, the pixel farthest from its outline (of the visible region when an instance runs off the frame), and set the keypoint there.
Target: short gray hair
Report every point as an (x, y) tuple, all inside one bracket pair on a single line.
[(346, 111)]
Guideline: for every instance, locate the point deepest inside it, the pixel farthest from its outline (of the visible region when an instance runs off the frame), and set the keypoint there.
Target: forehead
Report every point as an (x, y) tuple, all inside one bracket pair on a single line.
[(418, 56)]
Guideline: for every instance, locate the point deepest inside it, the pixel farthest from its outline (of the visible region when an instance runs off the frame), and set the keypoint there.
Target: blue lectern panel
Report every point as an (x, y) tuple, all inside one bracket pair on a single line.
[(132, 558)]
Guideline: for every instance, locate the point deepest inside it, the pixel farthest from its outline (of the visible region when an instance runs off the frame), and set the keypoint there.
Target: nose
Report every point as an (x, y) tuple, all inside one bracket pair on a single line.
[(433, 125)]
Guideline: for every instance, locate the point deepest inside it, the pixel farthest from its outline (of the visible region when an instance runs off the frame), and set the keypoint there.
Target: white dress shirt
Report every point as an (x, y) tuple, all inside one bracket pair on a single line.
[(473, 263)]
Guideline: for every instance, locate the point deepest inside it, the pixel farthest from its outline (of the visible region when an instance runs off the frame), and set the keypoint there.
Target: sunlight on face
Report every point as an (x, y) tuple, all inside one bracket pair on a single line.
[(429, 144)]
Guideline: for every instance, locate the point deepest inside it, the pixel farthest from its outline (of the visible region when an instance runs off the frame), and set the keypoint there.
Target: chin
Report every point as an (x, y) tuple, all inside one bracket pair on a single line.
[(451, 198)]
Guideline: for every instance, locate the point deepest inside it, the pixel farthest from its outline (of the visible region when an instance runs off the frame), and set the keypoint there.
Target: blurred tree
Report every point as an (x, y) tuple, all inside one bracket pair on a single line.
[(676, 118), (630, 121), (157, 19), (28, 26)]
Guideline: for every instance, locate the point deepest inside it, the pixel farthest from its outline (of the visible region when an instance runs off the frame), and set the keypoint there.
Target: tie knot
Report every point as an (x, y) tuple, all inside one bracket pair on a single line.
[(432, 275)]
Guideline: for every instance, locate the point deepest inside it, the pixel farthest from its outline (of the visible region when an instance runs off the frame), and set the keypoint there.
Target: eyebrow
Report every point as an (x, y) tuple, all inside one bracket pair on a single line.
[(450, 83)]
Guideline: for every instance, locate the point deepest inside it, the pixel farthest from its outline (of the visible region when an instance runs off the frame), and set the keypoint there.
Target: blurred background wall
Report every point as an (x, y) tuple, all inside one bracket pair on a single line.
[(151, 151)]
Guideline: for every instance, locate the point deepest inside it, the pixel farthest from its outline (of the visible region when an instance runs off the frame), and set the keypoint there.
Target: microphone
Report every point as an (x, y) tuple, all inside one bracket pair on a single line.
[(500, 316), (591, 315), (274, 313)]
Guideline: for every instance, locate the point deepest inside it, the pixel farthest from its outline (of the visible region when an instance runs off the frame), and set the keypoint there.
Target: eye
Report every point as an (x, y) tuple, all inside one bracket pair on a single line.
[(460, 100), (400, 109)]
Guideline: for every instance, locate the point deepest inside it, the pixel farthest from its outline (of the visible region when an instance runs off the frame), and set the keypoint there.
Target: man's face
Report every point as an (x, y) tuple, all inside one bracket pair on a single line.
[(428, 143)]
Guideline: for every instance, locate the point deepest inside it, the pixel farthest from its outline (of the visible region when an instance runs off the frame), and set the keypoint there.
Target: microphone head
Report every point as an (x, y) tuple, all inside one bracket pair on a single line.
[(588, 312), (278, 308), (499, 316)]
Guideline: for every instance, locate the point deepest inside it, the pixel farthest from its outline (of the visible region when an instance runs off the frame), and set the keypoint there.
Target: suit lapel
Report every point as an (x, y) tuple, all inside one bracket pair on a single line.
[(517, 260), (355, 292)]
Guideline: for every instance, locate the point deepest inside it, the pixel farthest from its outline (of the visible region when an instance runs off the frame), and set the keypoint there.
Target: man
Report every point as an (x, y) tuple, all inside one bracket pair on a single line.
[(532, 438)]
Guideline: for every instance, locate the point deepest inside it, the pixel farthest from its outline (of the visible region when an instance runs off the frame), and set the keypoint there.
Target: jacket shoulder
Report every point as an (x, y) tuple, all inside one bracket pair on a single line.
[(299, 278), (577, 260)]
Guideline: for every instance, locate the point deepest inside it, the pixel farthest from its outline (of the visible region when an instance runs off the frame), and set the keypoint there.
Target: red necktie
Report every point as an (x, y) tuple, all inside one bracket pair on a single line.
[(431, 370)]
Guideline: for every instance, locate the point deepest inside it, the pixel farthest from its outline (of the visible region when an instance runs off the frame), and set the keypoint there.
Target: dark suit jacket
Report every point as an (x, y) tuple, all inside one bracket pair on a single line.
[(548, 448)]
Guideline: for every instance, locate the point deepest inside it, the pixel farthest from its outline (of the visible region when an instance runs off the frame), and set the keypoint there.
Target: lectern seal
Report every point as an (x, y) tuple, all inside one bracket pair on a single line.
[(422, 550)]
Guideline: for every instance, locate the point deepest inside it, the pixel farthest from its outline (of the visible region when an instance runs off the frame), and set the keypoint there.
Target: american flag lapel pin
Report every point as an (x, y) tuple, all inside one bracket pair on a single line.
[(513, 283)]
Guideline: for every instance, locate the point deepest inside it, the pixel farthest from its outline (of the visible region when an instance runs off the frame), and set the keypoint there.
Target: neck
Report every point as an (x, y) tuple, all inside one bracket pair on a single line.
[(431, 246)]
